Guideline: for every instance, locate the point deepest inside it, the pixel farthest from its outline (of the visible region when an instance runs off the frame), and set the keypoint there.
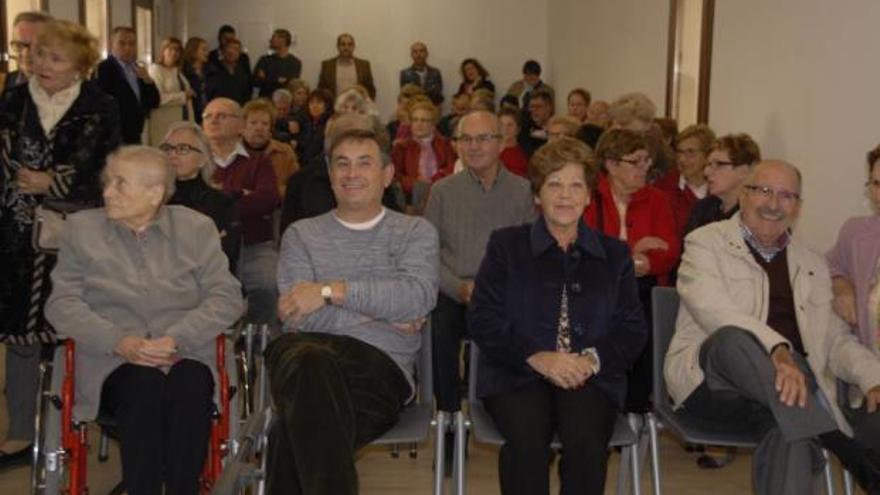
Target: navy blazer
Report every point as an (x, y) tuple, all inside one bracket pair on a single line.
[(514, 309), (433, 82), (132, 111)]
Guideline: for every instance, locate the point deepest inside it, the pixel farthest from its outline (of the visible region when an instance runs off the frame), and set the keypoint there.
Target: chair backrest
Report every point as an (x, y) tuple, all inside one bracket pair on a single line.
[(424, 371), (664, 310)]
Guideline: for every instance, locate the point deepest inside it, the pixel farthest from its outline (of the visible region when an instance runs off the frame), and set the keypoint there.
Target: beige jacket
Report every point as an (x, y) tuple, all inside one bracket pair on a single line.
[(721, 284)]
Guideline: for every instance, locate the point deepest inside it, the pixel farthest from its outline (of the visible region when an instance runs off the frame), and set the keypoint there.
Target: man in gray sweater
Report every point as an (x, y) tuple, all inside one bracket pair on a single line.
[(356, 285), (465, 208)]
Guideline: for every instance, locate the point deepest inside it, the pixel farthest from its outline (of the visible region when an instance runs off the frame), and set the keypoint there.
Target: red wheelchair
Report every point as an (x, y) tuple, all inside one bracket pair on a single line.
[(61, 445)]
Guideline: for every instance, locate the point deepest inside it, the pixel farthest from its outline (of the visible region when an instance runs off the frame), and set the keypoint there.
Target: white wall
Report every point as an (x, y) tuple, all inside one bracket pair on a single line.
[(609, 47), (120, 13), (801, 77), (64, 9), (502, 34)]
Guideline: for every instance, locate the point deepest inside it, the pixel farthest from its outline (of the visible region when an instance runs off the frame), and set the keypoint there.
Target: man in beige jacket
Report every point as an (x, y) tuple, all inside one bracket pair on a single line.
[(757, 342)]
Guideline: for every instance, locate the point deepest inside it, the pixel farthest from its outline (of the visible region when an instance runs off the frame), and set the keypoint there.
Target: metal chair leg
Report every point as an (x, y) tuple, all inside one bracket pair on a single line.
[(440, 423), (847, 483), (635, 453), (458, 473), (655, 453), (829, 477), (104, 446)]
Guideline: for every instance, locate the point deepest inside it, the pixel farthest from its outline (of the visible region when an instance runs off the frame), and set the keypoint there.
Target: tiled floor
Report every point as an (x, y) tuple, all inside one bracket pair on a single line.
[(382, 474)]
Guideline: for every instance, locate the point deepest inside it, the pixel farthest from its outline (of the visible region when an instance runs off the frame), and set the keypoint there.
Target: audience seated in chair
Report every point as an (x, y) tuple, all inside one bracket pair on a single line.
[(344, 369), (144, 289), (853, 263), (685, 184), (424, 157), (465, 208), (624, 206), (556, 314), (250, 179), (189, 153), (730, 161), (757, 341)]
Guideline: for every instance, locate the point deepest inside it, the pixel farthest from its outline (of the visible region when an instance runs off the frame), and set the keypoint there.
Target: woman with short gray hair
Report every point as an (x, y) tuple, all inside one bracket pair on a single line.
[(144, 290)]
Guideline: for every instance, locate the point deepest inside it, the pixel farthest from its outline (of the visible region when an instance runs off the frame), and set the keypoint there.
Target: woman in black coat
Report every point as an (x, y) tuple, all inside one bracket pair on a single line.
[(189, 152), (556, 314), (55, 133)]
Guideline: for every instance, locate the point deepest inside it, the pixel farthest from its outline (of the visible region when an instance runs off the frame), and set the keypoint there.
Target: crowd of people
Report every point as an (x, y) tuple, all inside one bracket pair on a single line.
[(206, 182)]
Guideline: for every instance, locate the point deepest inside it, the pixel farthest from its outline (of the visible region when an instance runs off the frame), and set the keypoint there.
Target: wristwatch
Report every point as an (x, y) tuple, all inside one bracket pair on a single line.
[(327, 294)]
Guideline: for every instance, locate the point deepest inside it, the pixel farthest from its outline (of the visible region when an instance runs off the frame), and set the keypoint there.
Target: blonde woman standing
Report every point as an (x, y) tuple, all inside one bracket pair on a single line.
[(175, 93)]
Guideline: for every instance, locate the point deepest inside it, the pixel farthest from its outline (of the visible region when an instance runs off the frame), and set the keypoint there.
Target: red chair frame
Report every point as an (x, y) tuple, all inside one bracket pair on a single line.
[(74, 434)]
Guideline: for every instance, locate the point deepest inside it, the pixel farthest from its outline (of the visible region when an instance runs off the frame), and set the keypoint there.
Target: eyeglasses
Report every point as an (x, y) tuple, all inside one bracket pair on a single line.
[(768, 192), (19, 46), (713, 164), (178, 149), (219, 116), (421, 121), (644, 161), (479, 139)]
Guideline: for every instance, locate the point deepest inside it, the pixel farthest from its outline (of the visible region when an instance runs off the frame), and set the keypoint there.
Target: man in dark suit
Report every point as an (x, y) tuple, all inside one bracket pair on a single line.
[(25, 28), (423, 75), (342, 72), (123, 78)]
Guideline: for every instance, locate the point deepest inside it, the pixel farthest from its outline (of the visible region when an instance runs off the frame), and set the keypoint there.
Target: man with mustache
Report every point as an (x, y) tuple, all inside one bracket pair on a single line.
[(757, 341)]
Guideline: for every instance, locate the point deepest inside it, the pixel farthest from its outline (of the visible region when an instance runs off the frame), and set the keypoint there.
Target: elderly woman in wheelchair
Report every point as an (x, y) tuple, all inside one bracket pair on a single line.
[(144, 289)]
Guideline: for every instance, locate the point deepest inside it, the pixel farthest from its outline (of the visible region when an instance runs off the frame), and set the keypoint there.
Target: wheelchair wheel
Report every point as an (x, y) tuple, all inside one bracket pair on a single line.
[(48, 466)]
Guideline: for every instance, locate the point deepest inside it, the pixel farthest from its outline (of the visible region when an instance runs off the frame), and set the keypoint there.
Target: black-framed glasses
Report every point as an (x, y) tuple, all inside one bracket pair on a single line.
[(478, 139), (178, 149), (768, 192)]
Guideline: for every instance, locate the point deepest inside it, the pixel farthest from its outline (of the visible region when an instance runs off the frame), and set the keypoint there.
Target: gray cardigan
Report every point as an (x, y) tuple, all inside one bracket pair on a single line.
[(108, 283)]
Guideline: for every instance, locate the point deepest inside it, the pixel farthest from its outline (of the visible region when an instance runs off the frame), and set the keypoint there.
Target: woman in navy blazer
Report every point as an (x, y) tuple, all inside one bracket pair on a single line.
[(556, 315)]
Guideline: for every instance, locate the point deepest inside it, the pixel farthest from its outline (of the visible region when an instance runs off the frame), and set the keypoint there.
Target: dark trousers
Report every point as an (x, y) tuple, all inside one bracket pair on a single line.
[(529, 416), (334, 394), (739, 389), (448, 328), (163, 423)]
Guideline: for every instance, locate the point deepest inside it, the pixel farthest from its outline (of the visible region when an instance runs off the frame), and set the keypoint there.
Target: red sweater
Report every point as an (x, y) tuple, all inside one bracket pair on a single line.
[(255, 175), (515, 159), (648, 214), (405, 156), (681, 200)]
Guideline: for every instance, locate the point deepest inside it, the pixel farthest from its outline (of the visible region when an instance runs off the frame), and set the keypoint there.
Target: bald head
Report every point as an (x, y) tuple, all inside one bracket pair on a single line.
[(776, 167), (222, 121)]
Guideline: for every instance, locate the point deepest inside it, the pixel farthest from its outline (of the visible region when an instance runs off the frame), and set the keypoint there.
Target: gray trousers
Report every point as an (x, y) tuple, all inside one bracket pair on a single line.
[(739, 386), (22, 370)]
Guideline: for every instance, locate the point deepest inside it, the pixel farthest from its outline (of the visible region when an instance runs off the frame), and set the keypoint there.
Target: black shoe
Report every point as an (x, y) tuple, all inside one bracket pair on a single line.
[(18, 458)]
